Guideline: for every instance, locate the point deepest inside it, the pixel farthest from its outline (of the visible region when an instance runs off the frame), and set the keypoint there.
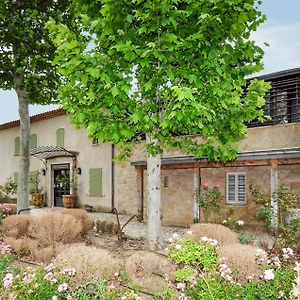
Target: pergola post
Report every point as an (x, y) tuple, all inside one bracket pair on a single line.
[(196, 192), (274, 185), (140, 193)]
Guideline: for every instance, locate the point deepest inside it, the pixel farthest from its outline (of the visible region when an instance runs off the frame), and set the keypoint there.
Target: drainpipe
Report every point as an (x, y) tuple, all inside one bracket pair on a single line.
[(112, 177)]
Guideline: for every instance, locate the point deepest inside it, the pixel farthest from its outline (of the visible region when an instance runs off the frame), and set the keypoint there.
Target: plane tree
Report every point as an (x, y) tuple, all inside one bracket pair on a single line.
[(26, 53), (165, 70)]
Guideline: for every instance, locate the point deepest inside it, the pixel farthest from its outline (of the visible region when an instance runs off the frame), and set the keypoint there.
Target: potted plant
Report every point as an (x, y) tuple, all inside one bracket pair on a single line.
[(66, 183), (37, 197)]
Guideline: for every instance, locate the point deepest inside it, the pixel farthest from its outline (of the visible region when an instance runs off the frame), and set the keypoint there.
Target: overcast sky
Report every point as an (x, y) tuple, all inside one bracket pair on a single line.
[(280, 31)]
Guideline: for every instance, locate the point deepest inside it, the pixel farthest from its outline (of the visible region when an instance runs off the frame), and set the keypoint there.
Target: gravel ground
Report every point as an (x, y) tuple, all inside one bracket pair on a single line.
[(134, 229)]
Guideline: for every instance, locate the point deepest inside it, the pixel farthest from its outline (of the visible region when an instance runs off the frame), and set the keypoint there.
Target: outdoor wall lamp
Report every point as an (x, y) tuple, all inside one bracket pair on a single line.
[(78, 171), (43, 172)]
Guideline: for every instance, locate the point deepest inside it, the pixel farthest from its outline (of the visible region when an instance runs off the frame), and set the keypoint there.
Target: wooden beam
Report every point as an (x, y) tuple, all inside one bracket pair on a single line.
[(236, 163), (140, 193), (197, 175), (274, 185)]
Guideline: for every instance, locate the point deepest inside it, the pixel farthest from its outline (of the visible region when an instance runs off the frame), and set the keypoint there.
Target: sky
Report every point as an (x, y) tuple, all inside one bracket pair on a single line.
[(281, 31)]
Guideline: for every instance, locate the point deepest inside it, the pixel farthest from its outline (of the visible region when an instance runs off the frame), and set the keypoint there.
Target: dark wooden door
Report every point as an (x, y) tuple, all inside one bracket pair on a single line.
[(58, 190)]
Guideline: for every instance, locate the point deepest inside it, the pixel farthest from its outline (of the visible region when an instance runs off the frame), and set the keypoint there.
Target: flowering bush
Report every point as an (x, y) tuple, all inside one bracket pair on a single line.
[(233, 224), (47, 283), (210, 200), (278, 279), (287, 200), (201, 255)]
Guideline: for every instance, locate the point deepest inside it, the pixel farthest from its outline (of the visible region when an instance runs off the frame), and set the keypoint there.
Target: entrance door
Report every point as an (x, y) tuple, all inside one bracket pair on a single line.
[(58, 189)]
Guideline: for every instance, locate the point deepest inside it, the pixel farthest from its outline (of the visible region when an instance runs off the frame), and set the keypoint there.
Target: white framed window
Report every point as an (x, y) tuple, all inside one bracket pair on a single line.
[(236, 188)]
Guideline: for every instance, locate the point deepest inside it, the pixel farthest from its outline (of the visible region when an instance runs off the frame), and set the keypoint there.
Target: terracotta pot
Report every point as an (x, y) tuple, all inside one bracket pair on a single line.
[(69, 201), (37, 199)]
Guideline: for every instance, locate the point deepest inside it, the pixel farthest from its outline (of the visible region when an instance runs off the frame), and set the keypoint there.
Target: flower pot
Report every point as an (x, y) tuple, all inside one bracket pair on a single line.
[(69, 201), (37, 199)]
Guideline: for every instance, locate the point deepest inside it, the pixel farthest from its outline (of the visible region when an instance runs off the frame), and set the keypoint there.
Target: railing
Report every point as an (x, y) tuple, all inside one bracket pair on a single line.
[(282, 102)]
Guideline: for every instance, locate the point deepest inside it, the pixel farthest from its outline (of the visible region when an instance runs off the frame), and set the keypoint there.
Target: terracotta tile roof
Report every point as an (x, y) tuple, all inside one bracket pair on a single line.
[(46, 115)]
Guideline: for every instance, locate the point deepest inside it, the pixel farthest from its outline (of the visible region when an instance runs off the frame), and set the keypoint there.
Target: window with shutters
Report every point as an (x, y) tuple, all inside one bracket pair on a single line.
[(60, 137), (95, 182), (17, 146), (236, 188), (33, 141)]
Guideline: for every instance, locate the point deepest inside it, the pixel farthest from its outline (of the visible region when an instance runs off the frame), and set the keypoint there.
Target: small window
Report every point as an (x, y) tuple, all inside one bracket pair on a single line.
[(60, 137), (33, 141), (95, 182), (236, 188), (17, 146), (95, 141)]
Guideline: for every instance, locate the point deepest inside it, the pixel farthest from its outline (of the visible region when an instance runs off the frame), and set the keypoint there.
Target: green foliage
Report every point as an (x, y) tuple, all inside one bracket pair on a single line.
[(185, 273), (95, 290), (265, 214), (246, 238), (26, 50), (210, 201), (202, 256), (34, 181), (287, 200), (215, 287), (5, 262), (34, 284), (8, 188), (189, 75)]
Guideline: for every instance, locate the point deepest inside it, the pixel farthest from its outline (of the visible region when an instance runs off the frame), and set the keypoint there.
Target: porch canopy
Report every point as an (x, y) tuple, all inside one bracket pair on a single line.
[(256, 158), (47, 152)]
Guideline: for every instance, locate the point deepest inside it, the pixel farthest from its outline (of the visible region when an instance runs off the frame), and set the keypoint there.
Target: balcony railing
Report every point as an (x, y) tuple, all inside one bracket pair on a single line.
[(282, 101)]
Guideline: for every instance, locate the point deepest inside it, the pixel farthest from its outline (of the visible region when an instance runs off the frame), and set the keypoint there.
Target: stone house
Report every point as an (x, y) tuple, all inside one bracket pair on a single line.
[(270, 156)]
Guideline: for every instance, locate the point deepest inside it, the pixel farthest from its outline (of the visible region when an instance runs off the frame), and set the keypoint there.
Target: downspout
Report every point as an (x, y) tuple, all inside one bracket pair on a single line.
[(112, 177)]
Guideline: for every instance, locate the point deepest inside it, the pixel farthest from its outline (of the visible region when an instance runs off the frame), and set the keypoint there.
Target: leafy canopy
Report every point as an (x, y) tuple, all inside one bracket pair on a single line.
[(168, 69), (26, 50)]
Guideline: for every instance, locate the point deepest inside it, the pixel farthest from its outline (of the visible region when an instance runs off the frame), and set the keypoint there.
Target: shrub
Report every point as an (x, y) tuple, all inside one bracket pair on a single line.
[(241, 259), (8, 208), (106, 227), (200, 255), (16, 225), (89, 262), (222, 234), (48, 229), (143, 263), (86, 220)]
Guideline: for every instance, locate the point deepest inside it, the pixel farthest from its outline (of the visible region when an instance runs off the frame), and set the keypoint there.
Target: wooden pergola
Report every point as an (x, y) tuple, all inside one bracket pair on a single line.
[(271, 158)]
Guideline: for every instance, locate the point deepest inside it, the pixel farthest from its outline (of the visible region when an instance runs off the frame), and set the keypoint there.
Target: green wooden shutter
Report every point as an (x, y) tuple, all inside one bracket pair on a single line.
[(17, 146), (60, 137), (16, 177), (31, 180), (33, 141), (95, 182)]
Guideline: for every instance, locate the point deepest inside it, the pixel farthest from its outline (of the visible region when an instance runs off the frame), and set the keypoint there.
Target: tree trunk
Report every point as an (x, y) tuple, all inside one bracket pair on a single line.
[(153, 236), (23, 98)]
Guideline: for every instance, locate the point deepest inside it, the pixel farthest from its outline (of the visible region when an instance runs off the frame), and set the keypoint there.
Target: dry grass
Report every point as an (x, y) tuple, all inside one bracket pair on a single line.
[(221, 233), (81, 215), (147, 269), (43, 254), (52, 228), (241, 259), (106, 227), (89, 262), (16, 225)]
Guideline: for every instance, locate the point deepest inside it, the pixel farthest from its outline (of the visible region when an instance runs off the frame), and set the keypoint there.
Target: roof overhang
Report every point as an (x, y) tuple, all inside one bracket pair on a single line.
[(47, 152), (255, 158)]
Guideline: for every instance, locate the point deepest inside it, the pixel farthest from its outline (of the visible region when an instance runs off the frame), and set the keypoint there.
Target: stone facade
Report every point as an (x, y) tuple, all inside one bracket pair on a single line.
[(177, 185)]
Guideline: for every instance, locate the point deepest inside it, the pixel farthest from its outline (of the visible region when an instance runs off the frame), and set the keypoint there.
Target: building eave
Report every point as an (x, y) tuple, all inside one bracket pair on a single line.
[(42, 116)]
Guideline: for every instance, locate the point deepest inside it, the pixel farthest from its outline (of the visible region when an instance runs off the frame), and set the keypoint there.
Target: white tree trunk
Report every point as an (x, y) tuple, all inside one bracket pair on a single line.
[(153, 236), (23, 98)]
